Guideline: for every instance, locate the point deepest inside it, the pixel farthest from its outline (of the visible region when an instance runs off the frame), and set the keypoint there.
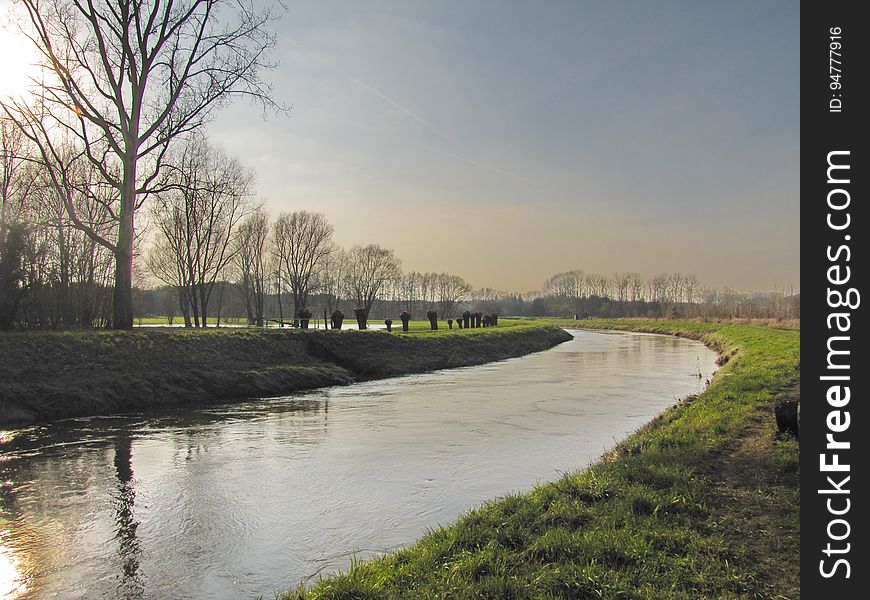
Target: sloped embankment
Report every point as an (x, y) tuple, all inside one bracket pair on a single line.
[(52, 375)]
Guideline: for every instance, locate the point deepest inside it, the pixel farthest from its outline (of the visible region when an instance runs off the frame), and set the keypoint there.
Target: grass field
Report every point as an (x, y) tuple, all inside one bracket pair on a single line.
[(703, 502)]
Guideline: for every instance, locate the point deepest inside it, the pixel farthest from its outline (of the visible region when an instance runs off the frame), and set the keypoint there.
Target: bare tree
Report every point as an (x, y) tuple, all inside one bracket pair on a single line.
[(166, 263), (196, 222), (16, 173), (692, 289), (369, 269), (300, 242), (64, 269), (252, 266), (80, 264), (124, 79), (408, 290), (452, 290), (331, 278), (635, 287)]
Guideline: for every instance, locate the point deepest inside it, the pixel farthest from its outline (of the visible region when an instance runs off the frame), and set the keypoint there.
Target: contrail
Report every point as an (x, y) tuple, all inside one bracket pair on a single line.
[(375, 91), (408, 112)]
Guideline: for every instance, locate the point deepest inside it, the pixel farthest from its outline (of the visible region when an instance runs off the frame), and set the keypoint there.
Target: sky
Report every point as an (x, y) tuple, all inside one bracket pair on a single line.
[(508, 141)]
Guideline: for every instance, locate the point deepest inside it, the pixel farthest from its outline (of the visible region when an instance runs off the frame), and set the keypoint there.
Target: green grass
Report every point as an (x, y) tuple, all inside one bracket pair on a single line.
[(703, 502), (179, 320), (504, 324)]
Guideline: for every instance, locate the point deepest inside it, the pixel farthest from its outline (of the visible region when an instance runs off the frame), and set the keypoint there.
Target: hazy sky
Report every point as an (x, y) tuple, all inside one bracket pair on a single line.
[(506, 141)]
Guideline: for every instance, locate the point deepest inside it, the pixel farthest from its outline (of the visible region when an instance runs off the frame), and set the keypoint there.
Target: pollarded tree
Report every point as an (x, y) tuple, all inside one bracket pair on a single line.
[(300, 243), (369, 269), (125, 78)]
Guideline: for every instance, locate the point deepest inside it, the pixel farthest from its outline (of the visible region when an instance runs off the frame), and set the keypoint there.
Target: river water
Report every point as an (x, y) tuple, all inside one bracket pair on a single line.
[(240, 501)]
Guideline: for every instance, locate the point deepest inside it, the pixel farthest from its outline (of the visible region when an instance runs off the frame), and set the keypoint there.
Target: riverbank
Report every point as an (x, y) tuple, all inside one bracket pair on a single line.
[(54, 375), (703, 502)]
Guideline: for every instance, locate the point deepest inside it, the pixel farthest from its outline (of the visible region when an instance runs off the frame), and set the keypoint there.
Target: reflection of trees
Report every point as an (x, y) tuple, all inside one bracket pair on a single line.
[(218, 438), (129, 549)]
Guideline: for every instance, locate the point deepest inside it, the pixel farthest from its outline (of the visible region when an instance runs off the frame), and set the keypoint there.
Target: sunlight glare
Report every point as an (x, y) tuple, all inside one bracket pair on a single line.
[(18, 58), (12, 583)]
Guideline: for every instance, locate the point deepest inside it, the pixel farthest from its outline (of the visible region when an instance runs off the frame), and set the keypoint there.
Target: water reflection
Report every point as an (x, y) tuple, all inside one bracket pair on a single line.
[(243, 500), (13, 577), (12, 580), (129, 550)]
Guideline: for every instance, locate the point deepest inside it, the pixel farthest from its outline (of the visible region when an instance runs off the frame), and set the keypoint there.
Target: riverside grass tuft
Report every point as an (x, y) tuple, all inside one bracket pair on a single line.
[(702, 502)]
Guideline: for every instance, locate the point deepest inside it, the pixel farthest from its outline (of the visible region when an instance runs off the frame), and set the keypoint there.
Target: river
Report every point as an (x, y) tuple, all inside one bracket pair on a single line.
[(243, 500)]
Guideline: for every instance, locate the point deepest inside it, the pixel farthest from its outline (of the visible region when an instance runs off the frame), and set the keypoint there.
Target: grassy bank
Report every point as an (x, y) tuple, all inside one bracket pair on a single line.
[(51, 375), (700, 503)]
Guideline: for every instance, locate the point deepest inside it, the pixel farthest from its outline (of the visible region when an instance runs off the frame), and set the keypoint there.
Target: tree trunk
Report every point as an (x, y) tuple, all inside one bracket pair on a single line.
[(193, 296), (204, 294), (280, 305), (122, 299), (296, 306), (184, 305), (220, 305), (248, 292)]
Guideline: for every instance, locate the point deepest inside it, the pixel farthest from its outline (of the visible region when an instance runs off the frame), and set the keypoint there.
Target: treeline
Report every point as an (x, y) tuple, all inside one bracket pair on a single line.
[(208, 242), (52, 274), (577, 294), (210, 250), (275, 268)]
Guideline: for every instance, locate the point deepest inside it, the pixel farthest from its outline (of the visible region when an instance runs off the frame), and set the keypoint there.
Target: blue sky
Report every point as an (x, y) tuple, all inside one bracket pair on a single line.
[(505, 141)]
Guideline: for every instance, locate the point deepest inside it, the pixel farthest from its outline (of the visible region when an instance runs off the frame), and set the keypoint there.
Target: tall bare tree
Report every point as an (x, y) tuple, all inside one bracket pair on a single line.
[(16, 172), (408, 290), (197, 220), (331, 278), (252, 267), (300, 242), (124, 79), (452, 290), (369, 269)]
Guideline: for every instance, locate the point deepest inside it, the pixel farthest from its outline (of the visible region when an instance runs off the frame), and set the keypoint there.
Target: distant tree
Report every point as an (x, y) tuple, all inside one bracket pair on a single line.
[(620, 287), (635, 287), (407, 289), (426, 290), (12, 249), (369, 269), (16, 173), (451, 290), (300, 243), (168, 302), (331, 278), (691, 287), (252, 264), (13, 232), (127, 78), (196, 221)]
